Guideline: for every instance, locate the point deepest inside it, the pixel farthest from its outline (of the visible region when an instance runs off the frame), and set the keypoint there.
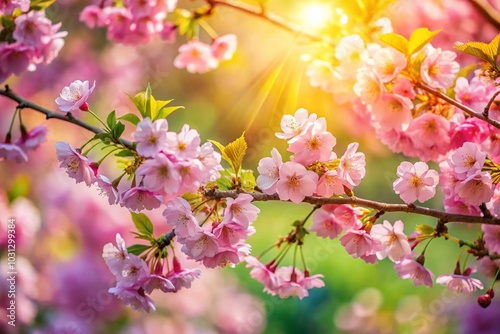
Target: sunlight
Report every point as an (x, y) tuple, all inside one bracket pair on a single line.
[(316, 15)]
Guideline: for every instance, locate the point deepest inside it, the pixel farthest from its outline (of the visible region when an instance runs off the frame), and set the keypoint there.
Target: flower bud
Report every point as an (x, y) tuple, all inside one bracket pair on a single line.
[(490, 293), (484, 301)]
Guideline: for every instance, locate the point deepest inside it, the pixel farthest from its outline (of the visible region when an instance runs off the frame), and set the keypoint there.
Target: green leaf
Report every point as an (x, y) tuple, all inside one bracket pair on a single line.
[(185, 22), (225, 181), (111, 120), (137, 249), (248, 182), (164, 112), (487, 52), (397, 41), (139, 100), (124, 153), (420, 38), (118, 130), (235, 151), (425, 229), (221, 149), (142, 223), (132, 118), (39, 5), (20, 188)]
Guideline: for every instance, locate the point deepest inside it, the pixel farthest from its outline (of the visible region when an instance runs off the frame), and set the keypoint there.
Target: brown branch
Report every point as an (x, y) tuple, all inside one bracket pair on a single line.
[(490, 102), (459, 105), (68, 117), (385, 207), (260, 12), (491, 14)]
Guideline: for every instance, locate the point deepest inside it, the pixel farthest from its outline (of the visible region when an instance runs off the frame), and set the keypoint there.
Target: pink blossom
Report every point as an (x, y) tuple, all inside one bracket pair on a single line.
[(292, 282), (388, 63), (475, 94), (325, 223), (191, 173), (269, 172), (293, 126), (225, 256), (467, 160), (439, 68), (139, 198), (230, 233), (14, 58), (404, 87), (196, 57), (263, 274), (430, 133), (115, 256), (492, 238), (393, 111), (182, 278), (476, 188), (224, 47), (151, 137), (395, 243), (77, 166), (12, 152), (185, 144), (359, 243), (460, 283), (119, 24), (348, 216), (32, 139), (107, 188), (352, 165), (153, 281), (471, 129), (160, 175), (133, 296), (410, 269), (321, 75), (93, 16), (295, 182), (415, 182), (240, 210), (210, 161), (179, 215), (32, 28), (7, 7), (314, 144), (368, 87), (74, 97), (204, 244), (330, 184)]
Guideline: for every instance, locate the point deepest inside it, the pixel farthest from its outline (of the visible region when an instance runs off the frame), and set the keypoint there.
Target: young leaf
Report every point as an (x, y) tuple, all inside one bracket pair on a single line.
[(132, 118), (139, 100), (137, 249), (225, 181), (420, 38), (118, 130), (235, 151), (39, 5), (396, 41), (221, 149), (164, 112), (142, 223), (124, 153), (248, 182), (111, 120), (487, 52)]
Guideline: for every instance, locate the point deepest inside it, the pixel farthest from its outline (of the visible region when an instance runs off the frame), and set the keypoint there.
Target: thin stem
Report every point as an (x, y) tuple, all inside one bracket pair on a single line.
[(107, 154), (427, 245), (99, 120), (266, 250), (9, 133), (208, 29), (385, 207), (316, 207), (68, 117), (490, 102), (457, 104)]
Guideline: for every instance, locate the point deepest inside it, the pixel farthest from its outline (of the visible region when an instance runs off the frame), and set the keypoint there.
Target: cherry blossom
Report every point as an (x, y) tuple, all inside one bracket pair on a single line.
[(352, 165), (415, 182), (151, 137), (134, 297), (395, 243), (223, 47), (240, 210), (74, 97), (393, 111), (139, 198), (292, 282), (360, 243), (331, 183), (12, 152), (325, 223), (460, 283), (295, 125), (106, 187), (476, 188), (321, 74), (160, 175), (295, 182), (408, 268), (369, 86), (263, 274), (388, 63), (33, 138), (185, 144), (467, 160), (313, 144), (179, 215), (269, 172), (196, 57), (77, 166), (439, 67)]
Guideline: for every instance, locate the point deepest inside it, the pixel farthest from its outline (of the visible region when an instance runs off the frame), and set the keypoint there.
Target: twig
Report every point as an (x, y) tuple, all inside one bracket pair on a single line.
[(260, 12), (488, 11), (385, 207), (68, 117), (457, 104), (490, 102)]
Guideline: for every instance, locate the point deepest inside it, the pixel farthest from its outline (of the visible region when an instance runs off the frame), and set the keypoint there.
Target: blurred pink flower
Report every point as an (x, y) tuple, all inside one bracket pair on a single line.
[(404, 87), (223, 47), (196, 57), (134, 297), (74, 97), (32, 28), (296, 182), (14, 58), (393, 111), (77, 166), (153, 281), (12, 152), (388, 63), (321, 75), (415, 182), (460, 283), (33, 138), (269, 172), (491, 238), (151, 137), (7, 7), (93, 16)]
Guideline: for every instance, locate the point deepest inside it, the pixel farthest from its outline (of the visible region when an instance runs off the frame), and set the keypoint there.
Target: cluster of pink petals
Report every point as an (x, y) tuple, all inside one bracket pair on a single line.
[(286, 281), (461, 283), (311, 144), (415, 182), (74, 97), (7, 7), (408, 268), (28, 141), (136, 22), (35, 41), (221, 243), (198, 57), (464, 184), (135, 282), (77, 166)]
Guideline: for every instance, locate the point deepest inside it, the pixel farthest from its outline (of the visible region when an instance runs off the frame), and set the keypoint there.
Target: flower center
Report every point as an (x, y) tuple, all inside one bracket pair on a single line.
[(415, 181), (293, 182)]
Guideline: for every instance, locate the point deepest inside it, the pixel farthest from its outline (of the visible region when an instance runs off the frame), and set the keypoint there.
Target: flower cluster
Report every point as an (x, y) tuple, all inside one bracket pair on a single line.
[(314, 168), (220, 243), (28, 141), (133, 22), (35, 40), (464, 184), (135, 281), (285, 281), (198, 57)]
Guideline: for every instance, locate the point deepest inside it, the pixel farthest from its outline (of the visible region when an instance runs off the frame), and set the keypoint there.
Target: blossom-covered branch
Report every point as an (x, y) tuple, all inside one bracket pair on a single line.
[(68, 117), (459, 105), (382, 207)]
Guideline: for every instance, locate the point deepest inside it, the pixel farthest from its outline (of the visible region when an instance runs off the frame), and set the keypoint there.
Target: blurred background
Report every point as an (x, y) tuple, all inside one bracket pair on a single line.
[(62, 227)]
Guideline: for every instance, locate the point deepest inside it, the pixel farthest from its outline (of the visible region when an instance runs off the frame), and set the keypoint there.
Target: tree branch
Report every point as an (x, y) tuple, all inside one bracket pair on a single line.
[(270, 17), (384, 207), (68, 117), (469, 111), (488, 11)]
